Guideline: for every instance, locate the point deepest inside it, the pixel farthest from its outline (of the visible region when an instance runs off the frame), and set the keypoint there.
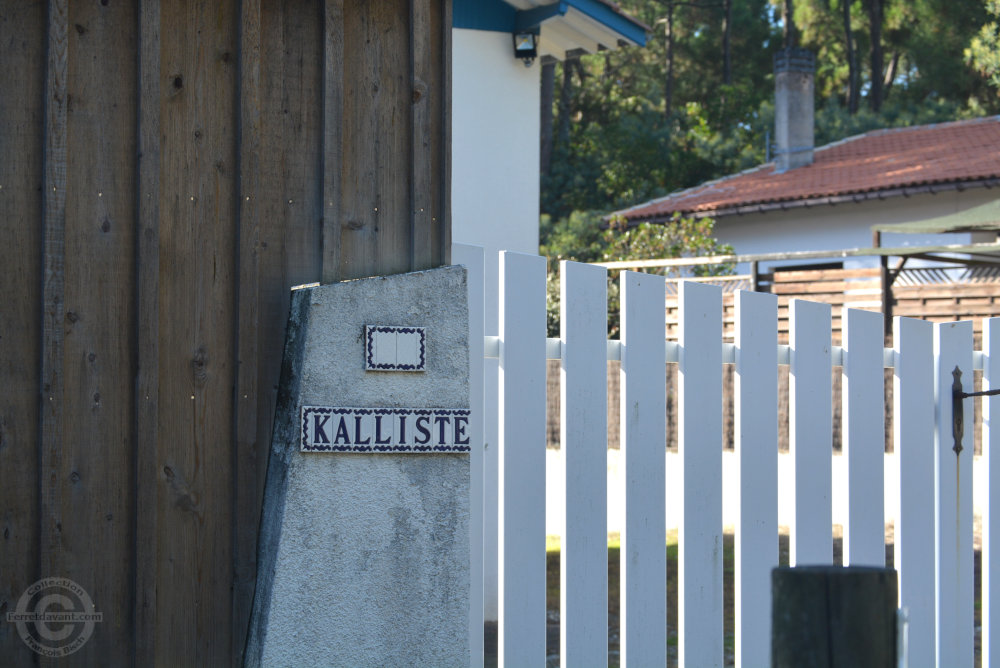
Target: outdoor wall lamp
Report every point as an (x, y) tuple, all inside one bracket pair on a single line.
[(526, 47)]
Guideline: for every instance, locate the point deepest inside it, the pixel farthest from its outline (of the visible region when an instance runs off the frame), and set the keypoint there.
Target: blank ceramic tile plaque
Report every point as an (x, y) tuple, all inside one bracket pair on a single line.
[(391, 348)]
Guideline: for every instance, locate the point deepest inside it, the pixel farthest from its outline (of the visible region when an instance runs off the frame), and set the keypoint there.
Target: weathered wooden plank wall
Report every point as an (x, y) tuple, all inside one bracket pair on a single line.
[(171, 169), (23, 32)]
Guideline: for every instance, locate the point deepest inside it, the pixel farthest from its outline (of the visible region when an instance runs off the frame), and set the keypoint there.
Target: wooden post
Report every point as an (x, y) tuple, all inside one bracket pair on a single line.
[(886, 294), (886, 285), (828, 616)]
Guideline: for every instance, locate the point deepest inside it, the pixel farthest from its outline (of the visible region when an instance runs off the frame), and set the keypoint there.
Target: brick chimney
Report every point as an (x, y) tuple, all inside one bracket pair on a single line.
[(793, 108)]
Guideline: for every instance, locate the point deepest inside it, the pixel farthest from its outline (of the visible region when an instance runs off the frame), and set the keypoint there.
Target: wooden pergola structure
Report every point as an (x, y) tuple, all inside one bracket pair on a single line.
[(932, 297)]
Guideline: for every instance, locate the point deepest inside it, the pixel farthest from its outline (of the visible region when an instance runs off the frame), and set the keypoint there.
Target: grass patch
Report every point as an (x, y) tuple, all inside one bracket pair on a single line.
[(552, 547), (552, 563)]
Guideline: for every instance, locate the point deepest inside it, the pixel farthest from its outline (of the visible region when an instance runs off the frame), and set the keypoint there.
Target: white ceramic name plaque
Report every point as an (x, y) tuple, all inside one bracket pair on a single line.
[(390, 348), (385, 430)]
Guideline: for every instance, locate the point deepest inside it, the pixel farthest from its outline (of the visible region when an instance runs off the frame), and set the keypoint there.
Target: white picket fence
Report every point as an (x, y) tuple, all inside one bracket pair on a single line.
[(933, 531)]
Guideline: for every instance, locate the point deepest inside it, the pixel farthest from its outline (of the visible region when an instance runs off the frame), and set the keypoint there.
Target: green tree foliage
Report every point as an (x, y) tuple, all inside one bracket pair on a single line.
[(623, 144), (984, 50), (582, 237), (681, 237), (637, 123), (640, 123), (921, 40)]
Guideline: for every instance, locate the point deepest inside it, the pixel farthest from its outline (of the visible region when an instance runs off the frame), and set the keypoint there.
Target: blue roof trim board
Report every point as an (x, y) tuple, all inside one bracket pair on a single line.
[(498, 16), (494, 15), (617, 21), (530, 20)]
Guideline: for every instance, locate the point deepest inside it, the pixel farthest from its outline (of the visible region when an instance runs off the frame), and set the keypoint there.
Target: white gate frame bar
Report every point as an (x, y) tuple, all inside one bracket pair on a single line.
[(991, 519), (474, 259)]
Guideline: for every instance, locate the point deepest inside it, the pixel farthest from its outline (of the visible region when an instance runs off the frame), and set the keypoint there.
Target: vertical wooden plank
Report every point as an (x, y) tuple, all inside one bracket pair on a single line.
[(377, 135), (953, 497), (147, 332), (290, 195), (522, 461), (864, 437), (583, 574), (810, 428), (755, 391), (391, 63), (198, 293), (250, 449), (53, 289), (333, 149), (643, 555), (699, 565), (442, 131), (475, 263), (422, 176), (991, 519), (913, 435), (96, 472), (23, 31)]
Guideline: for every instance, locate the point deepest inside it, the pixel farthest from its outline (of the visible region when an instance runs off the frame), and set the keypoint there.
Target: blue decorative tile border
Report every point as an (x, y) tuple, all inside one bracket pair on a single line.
[(391, 348), (385, 430)]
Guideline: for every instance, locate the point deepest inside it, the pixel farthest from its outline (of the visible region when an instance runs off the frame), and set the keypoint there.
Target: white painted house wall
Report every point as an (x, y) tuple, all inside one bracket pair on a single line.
[(494, 203), (847, 225), (495, 134)]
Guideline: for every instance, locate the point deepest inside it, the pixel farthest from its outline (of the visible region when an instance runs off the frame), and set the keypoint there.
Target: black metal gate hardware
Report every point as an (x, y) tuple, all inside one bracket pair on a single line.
[(957, 411)]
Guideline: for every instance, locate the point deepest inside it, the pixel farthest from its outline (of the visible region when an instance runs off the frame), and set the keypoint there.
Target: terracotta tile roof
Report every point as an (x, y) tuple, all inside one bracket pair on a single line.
[(879, 162)]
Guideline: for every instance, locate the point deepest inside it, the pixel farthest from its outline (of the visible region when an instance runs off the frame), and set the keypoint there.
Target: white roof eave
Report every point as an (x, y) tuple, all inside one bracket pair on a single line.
[(571, 31)]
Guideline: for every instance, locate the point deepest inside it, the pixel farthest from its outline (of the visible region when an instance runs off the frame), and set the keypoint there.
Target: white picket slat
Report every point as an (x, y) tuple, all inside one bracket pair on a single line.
[(583, 574), (810, 431), (643, 554), (913, 436), (756, 447), (863, 400), (491, 489), (475, 265), (699, 601), (953, 499), (991, 520), (521, 632)]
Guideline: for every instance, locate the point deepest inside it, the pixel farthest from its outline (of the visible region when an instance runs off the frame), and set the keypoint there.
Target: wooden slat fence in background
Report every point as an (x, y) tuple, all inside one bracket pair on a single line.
[(935, 295), (938, 295), (179, 166)]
